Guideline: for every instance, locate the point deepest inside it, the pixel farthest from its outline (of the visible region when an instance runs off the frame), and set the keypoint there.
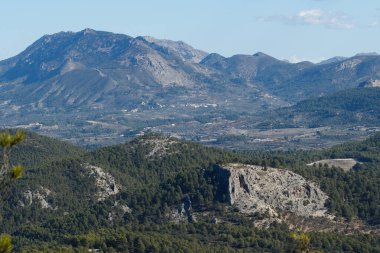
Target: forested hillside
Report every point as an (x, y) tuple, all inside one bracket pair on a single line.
[(355, 193), (162, 194), (351, 107)]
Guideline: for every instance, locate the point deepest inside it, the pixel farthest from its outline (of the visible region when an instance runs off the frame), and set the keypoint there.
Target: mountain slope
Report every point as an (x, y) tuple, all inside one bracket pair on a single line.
[(92, 72), (38, 149), (101, 88), (350, 107), (332, 60), (295, 82), (185, 51), (60, 70), (259, 68), (157, 182), (122, 72), (328, 78)]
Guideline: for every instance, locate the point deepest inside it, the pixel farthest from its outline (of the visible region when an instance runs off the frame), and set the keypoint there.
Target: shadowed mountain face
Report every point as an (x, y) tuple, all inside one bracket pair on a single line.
[(91, 77), (348, 107), (260, 69), (295, 82), (328, 78)]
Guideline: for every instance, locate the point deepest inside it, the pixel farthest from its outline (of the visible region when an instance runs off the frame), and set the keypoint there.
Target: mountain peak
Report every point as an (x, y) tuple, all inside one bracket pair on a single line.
[(261, 54), (88, 31), (264, 56)]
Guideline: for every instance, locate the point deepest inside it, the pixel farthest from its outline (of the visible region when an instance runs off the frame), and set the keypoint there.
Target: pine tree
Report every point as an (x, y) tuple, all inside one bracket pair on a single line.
[(302, 240), (5, 243), (8, 174)]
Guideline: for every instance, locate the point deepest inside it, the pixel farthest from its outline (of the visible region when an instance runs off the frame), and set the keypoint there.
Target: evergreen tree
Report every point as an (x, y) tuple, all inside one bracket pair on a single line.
[(8, 174)]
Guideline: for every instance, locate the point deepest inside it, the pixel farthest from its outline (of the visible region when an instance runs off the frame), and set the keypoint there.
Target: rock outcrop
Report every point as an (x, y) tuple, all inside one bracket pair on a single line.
[(372, 83), (38, 196), (270, 191), (183, 213), (104, 181)]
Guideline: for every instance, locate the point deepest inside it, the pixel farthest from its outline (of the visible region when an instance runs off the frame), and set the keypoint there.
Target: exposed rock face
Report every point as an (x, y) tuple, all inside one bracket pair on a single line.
[(178, 216), (104, 181), (38, 196), (183, 213), (186, 52), (272, 191), (118, 210), (372, 83), (124, 208)]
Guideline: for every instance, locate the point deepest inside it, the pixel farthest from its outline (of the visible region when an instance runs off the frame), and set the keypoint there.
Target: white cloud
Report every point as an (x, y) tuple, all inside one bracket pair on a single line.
[(317, 17)]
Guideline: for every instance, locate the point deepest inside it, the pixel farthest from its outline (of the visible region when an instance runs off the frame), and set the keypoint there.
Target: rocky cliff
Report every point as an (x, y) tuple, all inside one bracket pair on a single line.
[(255, 189)]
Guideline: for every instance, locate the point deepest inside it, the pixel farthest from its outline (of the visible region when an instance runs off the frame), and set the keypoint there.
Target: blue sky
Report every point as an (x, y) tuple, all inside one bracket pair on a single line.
[(286, 29)]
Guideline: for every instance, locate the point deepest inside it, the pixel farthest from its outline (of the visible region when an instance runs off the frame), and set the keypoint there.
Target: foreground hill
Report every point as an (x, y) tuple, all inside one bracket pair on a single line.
[(158, 189)]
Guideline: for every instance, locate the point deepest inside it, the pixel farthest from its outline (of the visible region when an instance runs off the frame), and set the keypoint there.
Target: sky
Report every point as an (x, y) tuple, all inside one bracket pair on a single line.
[(293, 30)]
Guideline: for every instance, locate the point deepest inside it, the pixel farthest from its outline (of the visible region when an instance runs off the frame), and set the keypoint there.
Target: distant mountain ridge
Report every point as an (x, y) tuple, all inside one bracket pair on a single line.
[(85, 76), (92, 68), (87, 68), (101, 69), (332, 60)]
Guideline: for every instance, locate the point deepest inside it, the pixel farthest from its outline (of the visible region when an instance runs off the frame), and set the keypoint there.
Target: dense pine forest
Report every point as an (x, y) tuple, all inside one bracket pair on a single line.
[(154, 175)]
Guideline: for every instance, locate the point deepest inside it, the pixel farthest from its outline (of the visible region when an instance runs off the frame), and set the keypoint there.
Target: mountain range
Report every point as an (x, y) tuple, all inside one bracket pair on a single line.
[(154, 192), (73, 79)]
